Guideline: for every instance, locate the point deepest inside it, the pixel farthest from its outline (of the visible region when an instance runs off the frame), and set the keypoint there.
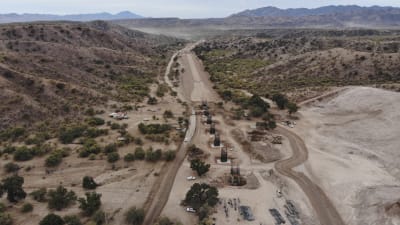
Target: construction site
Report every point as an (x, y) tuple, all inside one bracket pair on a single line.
[(242, 159)]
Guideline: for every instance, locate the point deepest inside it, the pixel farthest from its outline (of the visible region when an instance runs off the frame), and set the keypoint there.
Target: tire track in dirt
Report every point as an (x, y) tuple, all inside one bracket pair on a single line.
[(324, 208)]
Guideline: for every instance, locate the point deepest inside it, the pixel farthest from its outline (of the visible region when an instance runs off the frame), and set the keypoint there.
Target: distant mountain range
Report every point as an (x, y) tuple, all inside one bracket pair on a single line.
[(328, 16), (326, 10), (350, 16), (13, 17)]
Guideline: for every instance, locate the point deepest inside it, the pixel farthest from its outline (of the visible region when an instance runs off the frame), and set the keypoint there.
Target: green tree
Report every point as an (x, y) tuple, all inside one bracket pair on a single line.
[(39, 195), (271, 125), (204, 211), (280, 100), (113, 157), (68, 135), (89, 183), (27, 207), (2, 208), (23, 154), (11, 167), (60, 198), (95, 121), (52, 219), (13, 186), (199, 166), (152, 101), (134, 216), (99, 217), (292, 108), (167, 221), (5, 219), (153, 156), (110, 148), (256, 101), (139, 153), (91, 204), (168, 114), (169, 155), (90, 146), (54, 159), (72, 220), (200, 195), (129, 157)]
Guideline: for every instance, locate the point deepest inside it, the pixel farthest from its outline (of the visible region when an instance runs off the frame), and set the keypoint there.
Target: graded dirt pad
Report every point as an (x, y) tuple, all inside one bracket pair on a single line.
[(262, 151), (353, 141), (195, 81)]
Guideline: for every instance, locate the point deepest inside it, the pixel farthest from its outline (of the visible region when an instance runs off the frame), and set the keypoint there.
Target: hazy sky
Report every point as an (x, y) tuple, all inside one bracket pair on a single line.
[(169, 8)]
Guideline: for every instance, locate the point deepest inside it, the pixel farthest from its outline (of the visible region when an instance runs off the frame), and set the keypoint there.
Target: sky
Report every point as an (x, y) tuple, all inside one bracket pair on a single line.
[(169, 8)]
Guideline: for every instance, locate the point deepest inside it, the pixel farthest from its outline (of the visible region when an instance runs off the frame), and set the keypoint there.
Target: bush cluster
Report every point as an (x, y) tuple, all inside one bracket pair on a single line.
[(12, 133), (154, 128), (55, 158)]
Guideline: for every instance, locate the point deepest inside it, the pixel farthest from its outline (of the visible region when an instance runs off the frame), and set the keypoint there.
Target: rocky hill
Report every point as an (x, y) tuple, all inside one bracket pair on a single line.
[(58, 70), (329, 17), (299, 61), (299, 12)]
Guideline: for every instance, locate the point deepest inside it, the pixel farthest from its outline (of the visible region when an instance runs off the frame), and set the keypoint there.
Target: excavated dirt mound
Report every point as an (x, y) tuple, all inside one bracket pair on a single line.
[(353, 141)]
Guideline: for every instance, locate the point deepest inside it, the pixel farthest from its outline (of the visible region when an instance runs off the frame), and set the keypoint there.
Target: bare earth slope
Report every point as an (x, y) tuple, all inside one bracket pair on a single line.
[(298, 62), (353, 143), (54, 69)]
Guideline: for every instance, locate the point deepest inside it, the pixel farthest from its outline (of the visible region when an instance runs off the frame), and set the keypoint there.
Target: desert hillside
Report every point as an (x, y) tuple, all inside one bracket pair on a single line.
[(51, 70), (301, 60), (328, 17)]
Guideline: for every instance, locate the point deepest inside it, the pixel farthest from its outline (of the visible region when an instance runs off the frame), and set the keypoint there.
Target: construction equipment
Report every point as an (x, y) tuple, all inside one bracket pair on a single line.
[(278, 217), (277, 140)]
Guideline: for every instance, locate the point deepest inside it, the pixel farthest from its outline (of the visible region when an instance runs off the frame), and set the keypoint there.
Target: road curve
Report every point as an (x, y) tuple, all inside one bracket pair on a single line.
[(324, 209)]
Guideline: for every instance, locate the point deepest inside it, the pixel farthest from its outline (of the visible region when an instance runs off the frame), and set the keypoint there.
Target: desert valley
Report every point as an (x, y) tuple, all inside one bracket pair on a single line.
[(267, 116)]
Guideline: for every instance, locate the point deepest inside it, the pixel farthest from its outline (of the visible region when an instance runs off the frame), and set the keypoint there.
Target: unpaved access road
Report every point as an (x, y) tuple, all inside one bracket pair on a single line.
[(324, 209), (195, 81), (158, 197), (163, 188)]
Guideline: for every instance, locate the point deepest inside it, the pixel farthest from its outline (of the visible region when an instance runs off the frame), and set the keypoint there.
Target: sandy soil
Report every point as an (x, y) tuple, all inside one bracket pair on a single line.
[(259, 185), (127, 185), (195, 81), (259, 193), (353, 141)]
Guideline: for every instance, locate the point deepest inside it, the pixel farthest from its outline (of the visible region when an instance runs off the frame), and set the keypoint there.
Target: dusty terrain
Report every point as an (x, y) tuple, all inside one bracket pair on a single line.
[(122, 186), (260, 181), (353, 152), (53, 71), (301, 63)]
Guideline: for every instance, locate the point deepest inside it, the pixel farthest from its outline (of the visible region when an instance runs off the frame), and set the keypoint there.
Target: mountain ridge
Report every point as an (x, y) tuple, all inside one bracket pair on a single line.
[(299, 12), (32, 17)]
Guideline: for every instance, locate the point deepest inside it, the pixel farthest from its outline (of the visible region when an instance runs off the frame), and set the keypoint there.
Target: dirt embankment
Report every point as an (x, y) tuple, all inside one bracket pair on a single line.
[(262, 151), (352, 139)]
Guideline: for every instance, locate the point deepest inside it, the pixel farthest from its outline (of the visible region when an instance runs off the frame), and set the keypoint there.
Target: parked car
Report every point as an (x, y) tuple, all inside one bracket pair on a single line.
[(191, 210), (191, 178)]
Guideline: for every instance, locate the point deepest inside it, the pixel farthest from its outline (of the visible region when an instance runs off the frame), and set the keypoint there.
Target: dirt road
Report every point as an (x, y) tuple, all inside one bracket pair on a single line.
[(158, 200), (196, 84), (325, 210), (161, 191)]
